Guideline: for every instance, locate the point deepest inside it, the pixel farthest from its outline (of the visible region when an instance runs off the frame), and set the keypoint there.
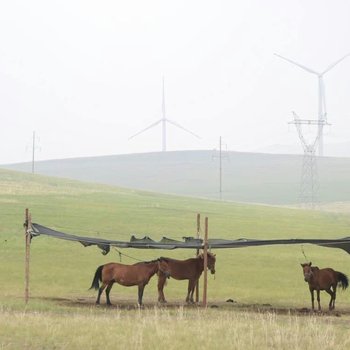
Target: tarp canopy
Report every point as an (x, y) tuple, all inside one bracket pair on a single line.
[(187, 243)]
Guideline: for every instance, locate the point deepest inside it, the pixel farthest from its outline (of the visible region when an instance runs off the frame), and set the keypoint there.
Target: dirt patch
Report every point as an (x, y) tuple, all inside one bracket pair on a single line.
[(129, 304)]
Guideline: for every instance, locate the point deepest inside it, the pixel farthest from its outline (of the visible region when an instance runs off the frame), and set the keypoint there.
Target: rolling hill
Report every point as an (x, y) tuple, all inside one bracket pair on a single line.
[(246, 177)]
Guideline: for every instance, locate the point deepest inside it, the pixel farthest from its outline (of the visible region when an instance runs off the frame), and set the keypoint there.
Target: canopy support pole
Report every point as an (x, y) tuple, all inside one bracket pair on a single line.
[(205, 276), (27, 227), (197, 253)]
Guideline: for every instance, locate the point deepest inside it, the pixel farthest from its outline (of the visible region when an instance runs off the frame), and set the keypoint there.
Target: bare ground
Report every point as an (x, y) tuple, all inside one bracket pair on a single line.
[(129, 304)]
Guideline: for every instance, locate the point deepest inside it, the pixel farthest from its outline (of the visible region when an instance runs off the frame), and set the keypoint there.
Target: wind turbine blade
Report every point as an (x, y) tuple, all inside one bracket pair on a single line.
[(297, 64), (324, 105), (148, 127), (163, 100), (181, 127), (334, 64), (296, 117)]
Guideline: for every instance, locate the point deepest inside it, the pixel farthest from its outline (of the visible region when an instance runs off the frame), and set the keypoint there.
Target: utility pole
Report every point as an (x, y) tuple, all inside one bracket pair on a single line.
[(33, 152), (34, 147), (220, 156)]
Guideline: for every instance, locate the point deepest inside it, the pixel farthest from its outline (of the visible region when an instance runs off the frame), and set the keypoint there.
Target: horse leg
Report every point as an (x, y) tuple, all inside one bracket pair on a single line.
[(334, 296), (318, 299), (101, 289), (141, 288), (312, 298), (108, 289), (161, 284), (191, 285), (188, 299), (330, 292)]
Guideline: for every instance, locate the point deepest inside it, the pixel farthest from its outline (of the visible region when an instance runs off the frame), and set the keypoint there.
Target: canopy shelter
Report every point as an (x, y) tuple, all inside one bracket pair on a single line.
[(34, 230), (187, 243)]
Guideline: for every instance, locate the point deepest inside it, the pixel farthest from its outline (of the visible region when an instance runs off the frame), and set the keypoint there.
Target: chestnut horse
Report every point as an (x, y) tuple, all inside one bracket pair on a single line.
[(323, 279), (138, 274), (190, 269)]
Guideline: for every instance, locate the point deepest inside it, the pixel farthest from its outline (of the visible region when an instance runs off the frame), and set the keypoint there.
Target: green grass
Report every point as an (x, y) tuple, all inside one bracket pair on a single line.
[(61, 271)]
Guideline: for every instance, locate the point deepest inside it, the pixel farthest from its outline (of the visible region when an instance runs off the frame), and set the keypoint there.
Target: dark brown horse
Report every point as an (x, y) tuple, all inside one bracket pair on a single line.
[(138, 274), (323, 279), (190, 269)]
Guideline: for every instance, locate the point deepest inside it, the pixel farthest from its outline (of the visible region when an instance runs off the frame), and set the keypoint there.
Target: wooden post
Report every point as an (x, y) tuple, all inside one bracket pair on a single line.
[(27, 226), (205, 272), (198, 230)]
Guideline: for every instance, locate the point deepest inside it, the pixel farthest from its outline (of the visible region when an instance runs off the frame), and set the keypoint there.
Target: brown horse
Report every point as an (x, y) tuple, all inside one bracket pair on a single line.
[(190, 269), (138, 274), (324, 279)]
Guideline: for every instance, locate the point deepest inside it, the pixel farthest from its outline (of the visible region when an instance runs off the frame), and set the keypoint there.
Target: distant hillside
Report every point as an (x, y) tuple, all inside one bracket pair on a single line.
[(246, 177), (331, 149)]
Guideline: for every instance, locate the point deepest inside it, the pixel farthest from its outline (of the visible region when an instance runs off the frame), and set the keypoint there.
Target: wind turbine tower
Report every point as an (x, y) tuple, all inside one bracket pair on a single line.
[(164, 120), (322, 112)]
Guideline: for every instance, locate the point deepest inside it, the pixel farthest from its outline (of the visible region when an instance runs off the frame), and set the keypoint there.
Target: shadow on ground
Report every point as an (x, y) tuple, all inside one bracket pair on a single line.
[(129, 304)]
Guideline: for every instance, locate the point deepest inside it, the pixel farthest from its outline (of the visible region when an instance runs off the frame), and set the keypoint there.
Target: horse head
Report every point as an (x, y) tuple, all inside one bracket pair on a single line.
[(211, 261), (307, 270), (163, 266)]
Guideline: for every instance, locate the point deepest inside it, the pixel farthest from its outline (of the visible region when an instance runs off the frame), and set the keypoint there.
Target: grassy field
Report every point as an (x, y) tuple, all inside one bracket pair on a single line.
[(265, 283)]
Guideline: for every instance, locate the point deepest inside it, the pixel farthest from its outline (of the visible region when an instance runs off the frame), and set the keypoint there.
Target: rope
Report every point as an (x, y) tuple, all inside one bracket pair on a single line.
[(302, 250), (128, 256)]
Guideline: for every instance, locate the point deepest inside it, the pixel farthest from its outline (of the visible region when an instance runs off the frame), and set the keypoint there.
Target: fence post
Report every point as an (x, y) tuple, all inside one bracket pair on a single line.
[(27, 226), (197, 253), (205, 276)]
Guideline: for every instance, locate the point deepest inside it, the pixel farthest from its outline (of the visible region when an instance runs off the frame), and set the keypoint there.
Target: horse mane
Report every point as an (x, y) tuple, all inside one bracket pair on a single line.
[(162, 258), (201, 255), (147, 262)]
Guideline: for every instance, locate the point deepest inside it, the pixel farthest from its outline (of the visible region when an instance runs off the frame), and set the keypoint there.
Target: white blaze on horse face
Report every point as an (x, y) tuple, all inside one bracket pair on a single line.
[(307, 273)]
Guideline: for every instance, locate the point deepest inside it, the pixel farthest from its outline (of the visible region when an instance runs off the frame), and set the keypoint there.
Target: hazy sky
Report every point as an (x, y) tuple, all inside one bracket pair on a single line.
[(86, 75)]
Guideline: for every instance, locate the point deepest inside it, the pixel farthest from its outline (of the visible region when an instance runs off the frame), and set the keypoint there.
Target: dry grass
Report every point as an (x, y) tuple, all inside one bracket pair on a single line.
[(178, 328)]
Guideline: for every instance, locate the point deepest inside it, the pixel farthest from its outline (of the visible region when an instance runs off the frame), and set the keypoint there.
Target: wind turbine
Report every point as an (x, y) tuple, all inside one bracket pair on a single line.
[(163, 120), (322, 112)]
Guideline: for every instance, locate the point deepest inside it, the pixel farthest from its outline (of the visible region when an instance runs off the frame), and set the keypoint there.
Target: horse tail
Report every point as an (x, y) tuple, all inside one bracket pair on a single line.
[(343, 280), (98, 277)]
